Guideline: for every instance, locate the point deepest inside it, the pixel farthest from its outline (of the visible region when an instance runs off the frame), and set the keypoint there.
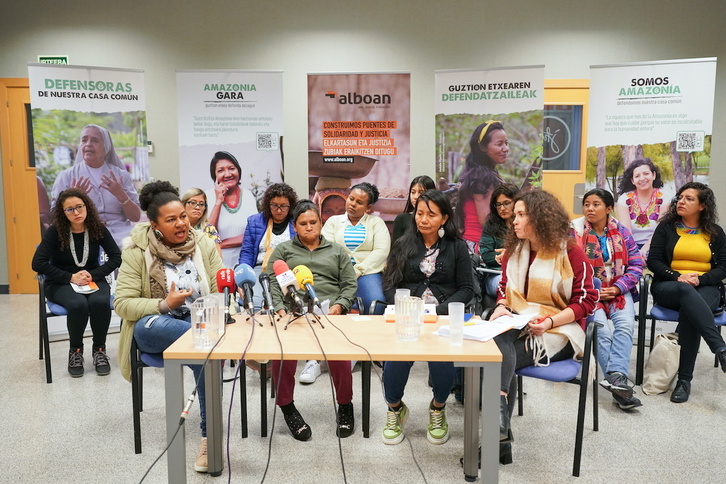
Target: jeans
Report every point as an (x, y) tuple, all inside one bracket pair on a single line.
[(395, 377), (370, 288), (491, 284), (695, 307), (82, 307), (155, 333), (615, 341)]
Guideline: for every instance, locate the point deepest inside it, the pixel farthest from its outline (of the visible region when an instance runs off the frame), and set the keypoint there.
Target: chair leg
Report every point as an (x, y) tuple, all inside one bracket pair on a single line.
[(136, 373), (715, 357), (263, 399), (520, 396), (46, 348), (365, 376), (242, 396)]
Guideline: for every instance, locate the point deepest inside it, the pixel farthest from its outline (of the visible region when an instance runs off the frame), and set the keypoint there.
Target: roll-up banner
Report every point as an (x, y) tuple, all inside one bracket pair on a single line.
[(359, 130), (72, 102), (649, 132), (230, 144), (488, 132)]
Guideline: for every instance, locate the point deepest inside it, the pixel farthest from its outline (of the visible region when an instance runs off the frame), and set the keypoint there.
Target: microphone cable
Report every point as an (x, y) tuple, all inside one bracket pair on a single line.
[(383, 391), (185, 412)]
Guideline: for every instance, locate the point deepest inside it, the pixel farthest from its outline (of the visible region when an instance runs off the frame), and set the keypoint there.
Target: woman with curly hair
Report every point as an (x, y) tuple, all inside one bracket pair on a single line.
[(489, 147), (267, 230), (546, 276), (67, 256), (641, 202), (688, 260)]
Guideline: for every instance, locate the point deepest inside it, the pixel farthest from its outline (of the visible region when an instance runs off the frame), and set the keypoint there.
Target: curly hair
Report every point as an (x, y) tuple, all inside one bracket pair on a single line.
[(626, 182), (278, 190), (155, 195), (369, 189), (93, 222), (547, 217), (496, 225), (709, 214), (411, 244)]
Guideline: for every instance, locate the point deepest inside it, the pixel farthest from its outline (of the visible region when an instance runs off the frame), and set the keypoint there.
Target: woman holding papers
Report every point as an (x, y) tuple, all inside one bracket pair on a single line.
[(68, 258), (545, 275), (335, 283), (615, 257), (433, 262), (166, 266)]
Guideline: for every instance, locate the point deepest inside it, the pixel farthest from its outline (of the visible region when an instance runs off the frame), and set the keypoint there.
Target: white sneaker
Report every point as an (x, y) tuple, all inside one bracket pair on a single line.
[(310, 373)]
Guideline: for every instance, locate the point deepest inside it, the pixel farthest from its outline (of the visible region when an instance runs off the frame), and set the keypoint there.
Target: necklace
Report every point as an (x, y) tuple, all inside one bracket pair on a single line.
[(86, 249), (236, 207), (644, 216)]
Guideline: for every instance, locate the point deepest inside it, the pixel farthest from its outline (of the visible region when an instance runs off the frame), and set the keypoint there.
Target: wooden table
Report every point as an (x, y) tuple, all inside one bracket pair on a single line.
[(299, 343)]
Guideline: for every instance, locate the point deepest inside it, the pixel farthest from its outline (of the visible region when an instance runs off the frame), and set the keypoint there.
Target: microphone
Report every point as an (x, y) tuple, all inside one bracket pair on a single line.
[(266, 292), (244, 276), (305, 278), (286, 280), (225, 284)]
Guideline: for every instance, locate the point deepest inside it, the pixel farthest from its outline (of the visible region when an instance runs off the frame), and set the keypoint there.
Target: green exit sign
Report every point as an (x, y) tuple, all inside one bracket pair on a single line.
[(53, 59)]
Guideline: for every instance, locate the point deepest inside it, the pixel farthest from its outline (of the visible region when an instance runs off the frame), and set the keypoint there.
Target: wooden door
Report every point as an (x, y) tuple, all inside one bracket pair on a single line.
[(564, 95), (22, 220)]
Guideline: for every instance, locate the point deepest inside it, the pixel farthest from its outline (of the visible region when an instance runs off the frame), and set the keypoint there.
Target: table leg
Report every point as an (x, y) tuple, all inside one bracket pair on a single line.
[(243, 397), (365, 376), (491, 384), (213, 386), (471, 422), (175, 399)]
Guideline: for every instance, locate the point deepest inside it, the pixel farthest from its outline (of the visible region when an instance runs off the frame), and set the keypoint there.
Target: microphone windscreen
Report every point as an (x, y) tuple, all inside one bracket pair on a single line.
[(244, 274), (225, 278), (264, 277), (303, 275), (280, 266)]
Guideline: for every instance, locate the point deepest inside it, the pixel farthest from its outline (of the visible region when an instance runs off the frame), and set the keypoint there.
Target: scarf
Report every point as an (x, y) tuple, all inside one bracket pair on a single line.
[(548, 279), (588, 239), (268, 241), (161, 252)]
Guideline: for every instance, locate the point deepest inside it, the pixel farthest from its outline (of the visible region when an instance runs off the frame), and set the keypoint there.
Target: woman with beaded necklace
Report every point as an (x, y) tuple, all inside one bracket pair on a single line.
[(68, 254)]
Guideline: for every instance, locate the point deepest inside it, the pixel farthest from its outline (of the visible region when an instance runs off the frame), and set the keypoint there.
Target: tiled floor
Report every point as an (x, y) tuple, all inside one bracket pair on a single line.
[(80, 430)]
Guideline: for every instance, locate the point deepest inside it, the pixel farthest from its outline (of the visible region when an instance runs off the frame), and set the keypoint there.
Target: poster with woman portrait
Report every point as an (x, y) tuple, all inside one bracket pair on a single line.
[(230, 145), (89, 132), (359, 130), (488, 132), (649, 132)]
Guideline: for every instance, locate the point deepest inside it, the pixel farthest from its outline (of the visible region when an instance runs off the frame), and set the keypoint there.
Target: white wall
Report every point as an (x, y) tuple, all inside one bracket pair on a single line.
[(302, 36)]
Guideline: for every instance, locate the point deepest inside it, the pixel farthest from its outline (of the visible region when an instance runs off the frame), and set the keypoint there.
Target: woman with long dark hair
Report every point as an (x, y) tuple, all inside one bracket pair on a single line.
[(433, 263), (67, 256), (489, 147), (688, 260), (404, 220), (495, 230)]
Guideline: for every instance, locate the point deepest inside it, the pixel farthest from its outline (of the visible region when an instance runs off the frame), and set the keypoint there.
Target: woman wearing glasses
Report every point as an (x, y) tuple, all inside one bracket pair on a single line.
[(495, 232), (195, 204), (69, 255), (267, 230)]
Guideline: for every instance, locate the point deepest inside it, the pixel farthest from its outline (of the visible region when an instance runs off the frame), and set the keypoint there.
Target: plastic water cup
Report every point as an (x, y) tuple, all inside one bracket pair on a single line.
[(456, 323), (207, 324), (409, 319), (400, 293)]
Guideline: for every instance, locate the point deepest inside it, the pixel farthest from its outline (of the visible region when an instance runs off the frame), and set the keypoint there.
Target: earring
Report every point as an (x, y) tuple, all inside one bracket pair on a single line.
[(158, 234), (441, 232)]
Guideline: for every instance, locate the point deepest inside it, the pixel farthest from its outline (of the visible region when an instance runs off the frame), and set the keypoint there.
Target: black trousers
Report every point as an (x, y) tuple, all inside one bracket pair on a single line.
[(81, 308), (695, 306)]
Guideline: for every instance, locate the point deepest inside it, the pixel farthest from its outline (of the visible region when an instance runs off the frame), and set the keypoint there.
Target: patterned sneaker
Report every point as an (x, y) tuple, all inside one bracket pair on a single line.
[(618, 384), (346, 420), (299, 429), (310, 373), (438, 427), (75, 362), (626, 403), (100, 361), (393, 431), (201, 464)]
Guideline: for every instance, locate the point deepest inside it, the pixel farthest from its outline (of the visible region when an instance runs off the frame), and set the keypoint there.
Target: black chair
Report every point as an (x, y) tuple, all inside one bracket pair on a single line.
[(46, 309), (139, 361), (571, 371), (660, 313)]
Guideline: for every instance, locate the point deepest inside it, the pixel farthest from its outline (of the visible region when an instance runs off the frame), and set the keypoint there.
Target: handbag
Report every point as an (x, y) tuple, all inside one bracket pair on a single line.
[(662, 365)]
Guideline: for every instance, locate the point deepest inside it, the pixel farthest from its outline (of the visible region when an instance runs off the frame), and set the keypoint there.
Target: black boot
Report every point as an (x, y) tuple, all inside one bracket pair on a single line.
[(503, 418)]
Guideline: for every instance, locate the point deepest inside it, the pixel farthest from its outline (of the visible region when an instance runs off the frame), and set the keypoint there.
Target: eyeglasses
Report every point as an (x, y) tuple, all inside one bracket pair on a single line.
[(280, 208), (194, 204), (71, 210), (503, 204)]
